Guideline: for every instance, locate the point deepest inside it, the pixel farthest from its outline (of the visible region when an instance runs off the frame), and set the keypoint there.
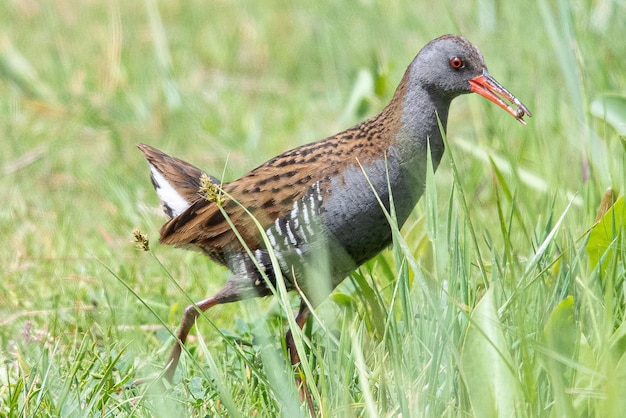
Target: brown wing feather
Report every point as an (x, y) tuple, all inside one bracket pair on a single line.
[(203, 223)]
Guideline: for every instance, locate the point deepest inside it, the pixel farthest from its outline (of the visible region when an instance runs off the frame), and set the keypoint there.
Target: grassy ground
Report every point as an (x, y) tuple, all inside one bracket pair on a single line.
[(490, 303)]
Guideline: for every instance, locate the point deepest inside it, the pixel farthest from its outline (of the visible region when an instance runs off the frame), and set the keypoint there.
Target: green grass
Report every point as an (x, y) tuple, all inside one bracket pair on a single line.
[(490, 303)]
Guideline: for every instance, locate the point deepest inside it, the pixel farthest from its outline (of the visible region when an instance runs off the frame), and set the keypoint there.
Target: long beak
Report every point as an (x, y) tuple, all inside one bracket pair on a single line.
[(488, 87)]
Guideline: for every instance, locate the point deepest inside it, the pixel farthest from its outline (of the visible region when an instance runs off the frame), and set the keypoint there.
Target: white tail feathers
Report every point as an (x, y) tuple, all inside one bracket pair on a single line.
[(173, 203)]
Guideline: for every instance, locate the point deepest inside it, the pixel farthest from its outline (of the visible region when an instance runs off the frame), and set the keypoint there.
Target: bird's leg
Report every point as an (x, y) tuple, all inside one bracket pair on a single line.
[(301, 318), (229, 293), (303, 315), (189, 318)]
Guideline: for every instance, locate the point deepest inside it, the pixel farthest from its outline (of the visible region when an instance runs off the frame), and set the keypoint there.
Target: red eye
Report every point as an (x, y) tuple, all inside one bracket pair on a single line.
[(456, 63)]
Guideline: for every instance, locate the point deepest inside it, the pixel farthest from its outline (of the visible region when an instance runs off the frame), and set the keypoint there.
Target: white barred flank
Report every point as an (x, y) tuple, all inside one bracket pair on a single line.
[(291, 233)]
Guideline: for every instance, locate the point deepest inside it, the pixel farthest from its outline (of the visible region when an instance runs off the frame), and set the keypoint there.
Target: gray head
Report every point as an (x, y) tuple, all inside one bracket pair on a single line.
[(450, 66), (446, 65)]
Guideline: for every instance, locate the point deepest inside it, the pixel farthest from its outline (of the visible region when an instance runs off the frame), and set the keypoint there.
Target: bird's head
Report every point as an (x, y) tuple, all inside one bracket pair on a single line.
[(450, 66)]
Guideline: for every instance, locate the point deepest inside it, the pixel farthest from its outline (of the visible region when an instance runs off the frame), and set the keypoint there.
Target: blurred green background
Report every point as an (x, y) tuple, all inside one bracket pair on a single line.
[(226, 85)]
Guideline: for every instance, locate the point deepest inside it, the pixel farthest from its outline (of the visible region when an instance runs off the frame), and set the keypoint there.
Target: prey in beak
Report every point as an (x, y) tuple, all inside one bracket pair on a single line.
[(488, 87)]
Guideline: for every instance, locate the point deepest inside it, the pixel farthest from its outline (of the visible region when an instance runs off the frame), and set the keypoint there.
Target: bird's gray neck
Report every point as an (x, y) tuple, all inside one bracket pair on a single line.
[(424, 118)]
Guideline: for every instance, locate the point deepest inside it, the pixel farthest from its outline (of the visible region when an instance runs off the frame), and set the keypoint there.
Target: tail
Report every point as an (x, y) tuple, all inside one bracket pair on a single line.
[(175, 181)]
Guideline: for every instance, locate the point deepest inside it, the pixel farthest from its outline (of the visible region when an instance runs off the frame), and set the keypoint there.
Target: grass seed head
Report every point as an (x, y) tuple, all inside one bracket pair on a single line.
[(141, 240), (211, 191)]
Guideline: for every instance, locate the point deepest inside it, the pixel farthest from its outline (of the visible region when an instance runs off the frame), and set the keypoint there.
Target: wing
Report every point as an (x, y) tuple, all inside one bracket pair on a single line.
[(266, 193)]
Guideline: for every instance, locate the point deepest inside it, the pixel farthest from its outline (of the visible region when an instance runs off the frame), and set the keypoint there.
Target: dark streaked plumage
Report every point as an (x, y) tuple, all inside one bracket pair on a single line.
[(318, 203)]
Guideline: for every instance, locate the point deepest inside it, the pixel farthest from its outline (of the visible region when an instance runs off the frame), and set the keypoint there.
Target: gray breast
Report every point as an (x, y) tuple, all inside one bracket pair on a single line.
[(353, 213)]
